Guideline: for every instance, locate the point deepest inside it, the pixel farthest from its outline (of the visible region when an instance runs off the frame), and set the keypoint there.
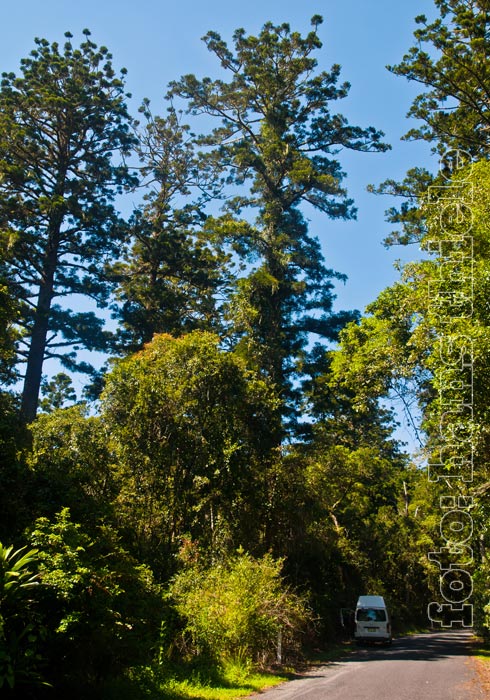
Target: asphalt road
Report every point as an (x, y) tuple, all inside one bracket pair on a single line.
[(433, 666)]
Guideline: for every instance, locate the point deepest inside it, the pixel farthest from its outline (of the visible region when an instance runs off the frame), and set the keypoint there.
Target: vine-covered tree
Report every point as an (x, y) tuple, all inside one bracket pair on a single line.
[(278, 134), (64, 132)]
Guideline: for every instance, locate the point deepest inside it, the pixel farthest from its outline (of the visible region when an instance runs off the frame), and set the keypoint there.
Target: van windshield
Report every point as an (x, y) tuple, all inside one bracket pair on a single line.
[(371, 615)]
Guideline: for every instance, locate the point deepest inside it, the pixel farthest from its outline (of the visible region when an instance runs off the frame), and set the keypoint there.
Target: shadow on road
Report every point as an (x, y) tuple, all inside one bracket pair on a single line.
[(418, 647)]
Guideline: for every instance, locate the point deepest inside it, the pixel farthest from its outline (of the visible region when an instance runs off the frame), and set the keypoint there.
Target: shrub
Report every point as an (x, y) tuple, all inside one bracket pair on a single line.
[(20, 634), (238, 609), (102, 608)]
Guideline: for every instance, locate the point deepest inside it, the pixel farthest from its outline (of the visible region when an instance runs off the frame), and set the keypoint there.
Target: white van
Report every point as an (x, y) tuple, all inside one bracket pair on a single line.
[(372, 621)]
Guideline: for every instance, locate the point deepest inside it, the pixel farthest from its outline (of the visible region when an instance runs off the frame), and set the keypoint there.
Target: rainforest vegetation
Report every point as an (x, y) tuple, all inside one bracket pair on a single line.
[(230, 481)]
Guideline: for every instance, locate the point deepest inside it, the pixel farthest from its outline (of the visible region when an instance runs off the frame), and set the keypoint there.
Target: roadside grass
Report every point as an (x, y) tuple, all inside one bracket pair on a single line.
[(480, 651), (410, 629), (174, 682)]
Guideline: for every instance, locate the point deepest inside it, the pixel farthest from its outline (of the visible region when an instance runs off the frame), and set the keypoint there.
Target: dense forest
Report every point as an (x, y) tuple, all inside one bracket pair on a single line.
[(230, 481)]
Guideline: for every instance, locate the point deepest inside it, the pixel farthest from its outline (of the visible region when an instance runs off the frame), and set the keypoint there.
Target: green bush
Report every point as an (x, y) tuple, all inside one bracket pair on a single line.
[(239, 609), (102, 609), (21, 635), (481, 600)]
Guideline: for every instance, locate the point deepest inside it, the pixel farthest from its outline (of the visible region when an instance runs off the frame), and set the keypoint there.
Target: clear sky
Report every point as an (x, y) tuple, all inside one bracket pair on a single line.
[(159, 40)]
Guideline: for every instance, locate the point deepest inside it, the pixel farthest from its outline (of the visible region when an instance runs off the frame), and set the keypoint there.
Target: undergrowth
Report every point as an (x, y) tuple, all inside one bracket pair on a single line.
[(171, 682)]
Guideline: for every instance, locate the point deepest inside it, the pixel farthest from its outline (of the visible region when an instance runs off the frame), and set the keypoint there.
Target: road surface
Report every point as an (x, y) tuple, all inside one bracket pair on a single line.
[(432, 666)]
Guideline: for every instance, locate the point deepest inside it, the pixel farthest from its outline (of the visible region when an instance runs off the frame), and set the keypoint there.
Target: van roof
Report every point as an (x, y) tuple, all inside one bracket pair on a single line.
[(371, 601)]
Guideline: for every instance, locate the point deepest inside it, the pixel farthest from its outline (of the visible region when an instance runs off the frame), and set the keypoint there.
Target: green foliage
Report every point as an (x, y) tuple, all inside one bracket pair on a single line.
[(188, 458), (15, 572), (345, 523), (61, 122), (13, 473), (8, 334), (56, 392), (381, 354), (481, 580), (171, 274), (101, 607), (402, 338), (450, 59), (237, 608), (190, 428), (70, 466), (279, 135), (412, 189), (191, 681), (9, 314), (21, 636), (417, 345)]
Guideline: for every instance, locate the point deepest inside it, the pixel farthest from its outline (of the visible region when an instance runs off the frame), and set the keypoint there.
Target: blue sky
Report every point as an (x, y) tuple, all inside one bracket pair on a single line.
[(158, 40)]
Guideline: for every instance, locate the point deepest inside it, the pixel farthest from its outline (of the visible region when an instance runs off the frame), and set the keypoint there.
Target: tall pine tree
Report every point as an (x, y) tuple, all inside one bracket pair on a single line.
[(450, 60), (171, 274), (278, 135), (64, 132)]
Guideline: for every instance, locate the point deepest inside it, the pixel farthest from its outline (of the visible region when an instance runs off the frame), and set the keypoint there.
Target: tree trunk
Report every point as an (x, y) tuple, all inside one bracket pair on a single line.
[(37, 348)]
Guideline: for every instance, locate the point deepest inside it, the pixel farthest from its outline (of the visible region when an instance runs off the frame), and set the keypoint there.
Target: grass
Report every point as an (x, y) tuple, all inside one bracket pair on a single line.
[(205, 682), (236, 680), (196, 690), (481, 649)]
